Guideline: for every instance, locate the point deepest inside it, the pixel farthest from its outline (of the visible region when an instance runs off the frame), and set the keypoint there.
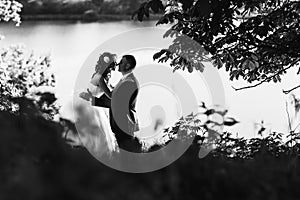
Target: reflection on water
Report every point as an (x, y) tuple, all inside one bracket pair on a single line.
[(70, 43)]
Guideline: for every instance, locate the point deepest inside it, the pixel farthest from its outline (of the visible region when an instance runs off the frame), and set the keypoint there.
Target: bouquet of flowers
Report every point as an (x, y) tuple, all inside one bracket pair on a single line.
[(105, 64)]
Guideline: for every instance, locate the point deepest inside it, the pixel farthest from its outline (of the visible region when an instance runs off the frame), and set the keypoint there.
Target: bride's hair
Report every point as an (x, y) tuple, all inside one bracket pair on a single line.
[(105, 62)]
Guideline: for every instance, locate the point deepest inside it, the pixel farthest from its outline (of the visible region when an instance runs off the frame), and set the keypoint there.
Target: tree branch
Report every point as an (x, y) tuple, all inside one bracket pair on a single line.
[(270, 77), (288, 115), (290, 90)]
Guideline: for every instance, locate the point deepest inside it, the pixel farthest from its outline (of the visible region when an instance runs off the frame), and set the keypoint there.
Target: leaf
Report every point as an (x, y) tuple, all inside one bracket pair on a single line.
[(197, 121), (202, 105), (218, 63), (156, 5), (176, 68), (249, 64), (209, 112), (186, 4), (254, 57), (230, 121), (230, 58), (233, 74), (141, 11), (202, 8), (163, 20), (227, 66), (171, 33), (159, 54), (147, 12), (200, 67), (215, 24), (163, 59), (47, 97), (262, 31), (140, 15), (191, 115), (278, 78), (190, 68), (252, 65)]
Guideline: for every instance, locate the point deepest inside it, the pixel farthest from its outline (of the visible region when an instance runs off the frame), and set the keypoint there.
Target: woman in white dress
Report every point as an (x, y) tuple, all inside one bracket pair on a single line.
[(92, 121)]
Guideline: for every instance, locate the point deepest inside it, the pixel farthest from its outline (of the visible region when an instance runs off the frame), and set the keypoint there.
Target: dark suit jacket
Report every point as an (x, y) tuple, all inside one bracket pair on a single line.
[(123, 103)]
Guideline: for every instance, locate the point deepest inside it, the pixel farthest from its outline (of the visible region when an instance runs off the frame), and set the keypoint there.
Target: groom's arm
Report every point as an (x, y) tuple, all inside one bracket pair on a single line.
[(102, 101)]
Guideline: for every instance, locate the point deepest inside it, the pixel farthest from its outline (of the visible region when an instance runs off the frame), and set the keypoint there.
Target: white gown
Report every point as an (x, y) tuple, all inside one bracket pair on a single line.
[(94, 127)]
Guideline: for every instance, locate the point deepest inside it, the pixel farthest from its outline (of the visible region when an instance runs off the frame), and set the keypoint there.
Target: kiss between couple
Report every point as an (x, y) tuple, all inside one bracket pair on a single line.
[(113, 107)]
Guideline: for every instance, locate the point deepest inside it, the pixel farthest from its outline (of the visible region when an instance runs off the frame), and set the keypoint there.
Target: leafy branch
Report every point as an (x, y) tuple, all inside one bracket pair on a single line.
[(267, 79)]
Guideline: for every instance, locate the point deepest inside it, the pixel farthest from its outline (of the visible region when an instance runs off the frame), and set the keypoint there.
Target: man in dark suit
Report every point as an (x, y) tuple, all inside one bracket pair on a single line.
[(122, 101)]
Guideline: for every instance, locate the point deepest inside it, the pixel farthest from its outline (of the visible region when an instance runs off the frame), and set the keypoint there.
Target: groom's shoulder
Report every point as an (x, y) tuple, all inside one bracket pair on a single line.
[(130, 82), (131, 78)]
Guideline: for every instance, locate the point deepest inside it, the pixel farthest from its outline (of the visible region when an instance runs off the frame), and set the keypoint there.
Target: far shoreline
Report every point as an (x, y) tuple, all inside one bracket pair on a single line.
[(84, 18)]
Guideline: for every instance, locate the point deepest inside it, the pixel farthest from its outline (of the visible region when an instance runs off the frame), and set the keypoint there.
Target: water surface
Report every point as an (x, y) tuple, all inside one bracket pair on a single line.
[(69, 44)]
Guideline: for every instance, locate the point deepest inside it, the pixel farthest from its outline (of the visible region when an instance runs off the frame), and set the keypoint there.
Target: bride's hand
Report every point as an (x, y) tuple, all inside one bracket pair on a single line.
[(111, 87), (85, 95)]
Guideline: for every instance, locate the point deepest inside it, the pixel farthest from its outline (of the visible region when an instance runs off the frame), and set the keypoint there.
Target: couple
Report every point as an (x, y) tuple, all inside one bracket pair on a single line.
[(114, 108)]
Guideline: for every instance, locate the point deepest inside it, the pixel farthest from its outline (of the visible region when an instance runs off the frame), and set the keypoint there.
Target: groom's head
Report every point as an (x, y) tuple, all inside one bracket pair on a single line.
[(127, 63)]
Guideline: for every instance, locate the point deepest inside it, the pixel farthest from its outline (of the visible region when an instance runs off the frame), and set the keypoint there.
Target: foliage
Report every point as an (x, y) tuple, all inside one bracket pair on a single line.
[(146, 8), (207, 130), (255, 40), (22, 74), (53, 7), (31, 148), (25, 75), (82, 7), (10, 11), (205, 127)]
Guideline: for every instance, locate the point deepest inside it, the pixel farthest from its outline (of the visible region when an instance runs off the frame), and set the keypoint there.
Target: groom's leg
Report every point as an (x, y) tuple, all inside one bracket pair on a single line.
[(124, 140), (132, 145)]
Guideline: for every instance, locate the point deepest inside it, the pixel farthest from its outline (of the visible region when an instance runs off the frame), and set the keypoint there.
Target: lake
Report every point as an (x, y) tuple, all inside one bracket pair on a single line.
[(70, 43)]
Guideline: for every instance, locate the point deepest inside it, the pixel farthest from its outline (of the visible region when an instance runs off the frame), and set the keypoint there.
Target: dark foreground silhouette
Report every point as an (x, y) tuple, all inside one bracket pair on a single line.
[(36, 163)]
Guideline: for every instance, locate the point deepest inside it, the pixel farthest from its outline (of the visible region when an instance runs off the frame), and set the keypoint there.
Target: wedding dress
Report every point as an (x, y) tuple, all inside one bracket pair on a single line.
[(94, 126)]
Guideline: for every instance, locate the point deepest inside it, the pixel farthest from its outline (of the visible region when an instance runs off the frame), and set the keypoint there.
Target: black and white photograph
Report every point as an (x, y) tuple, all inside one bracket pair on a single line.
[(149, 99)]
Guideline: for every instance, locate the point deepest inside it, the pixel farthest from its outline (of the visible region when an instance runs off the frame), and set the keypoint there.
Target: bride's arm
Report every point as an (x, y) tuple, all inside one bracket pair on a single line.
[(104, 87)]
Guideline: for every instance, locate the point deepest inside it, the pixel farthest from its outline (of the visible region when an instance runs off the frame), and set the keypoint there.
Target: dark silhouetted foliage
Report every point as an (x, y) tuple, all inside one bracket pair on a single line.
[(36, 163)]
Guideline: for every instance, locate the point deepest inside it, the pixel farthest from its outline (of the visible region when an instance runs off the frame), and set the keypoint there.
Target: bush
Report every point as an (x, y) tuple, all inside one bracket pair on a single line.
[(23, 74)]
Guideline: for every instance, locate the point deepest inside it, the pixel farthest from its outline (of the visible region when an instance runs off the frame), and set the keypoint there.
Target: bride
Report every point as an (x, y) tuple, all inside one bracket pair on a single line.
[(93, 121)]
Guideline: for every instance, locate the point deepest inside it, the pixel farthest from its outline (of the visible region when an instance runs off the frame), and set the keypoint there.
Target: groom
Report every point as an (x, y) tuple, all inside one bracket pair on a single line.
[(122, 101)]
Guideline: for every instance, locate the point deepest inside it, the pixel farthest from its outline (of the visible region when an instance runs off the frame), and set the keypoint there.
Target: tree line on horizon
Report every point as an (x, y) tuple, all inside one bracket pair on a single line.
[(79, 7)]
